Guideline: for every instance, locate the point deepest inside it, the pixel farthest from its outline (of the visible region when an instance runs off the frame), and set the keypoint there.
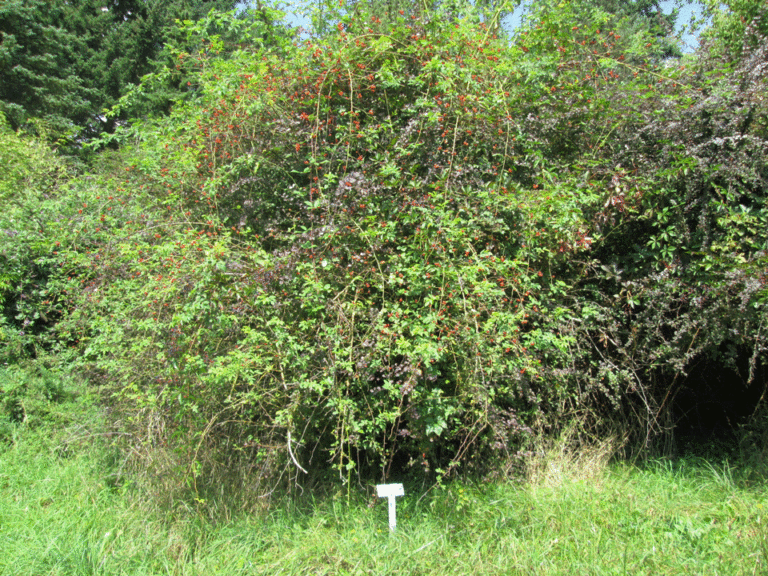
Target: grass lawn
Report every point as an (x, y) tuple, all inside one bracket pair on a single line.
[(60, 515)]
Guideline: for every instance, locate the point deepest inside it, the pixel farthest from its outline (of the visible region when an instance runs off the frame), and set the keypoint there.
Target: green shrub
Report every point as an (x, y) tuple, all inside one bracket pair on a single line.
[(397, 248)]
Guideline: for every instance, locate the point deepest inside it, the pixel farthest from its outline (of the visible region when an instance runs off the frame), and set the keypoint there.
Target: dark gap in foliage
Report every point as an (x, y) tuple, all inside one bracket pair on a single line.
[(714, 401)]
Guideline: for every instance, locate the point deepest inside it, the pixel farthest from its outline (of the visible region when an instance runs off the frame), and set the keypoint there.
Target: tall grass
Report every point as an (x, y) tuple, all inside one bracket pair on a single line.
[(63, 513)]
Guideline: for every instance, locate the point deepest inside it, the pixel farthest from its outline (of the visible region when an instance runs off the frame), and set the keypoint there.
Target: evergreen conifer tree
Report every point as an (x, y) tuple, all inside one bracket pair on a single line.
[(63, 63)]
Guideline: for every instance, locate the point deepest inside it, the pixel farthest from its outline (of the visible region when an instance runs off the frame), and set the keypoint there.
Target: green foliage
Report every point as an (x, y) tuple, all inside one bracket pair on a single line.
[(169, 74), (355, 246), (636, 19), (397, 248), (33, 395), (255, 232), (39, 75), (739, 26), (30, 295), (63, 64)]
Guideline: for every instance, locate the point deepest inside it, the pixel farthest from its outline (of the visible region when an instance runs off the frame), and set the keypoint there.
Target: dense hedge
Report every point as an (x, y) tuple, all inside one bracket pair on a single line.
[(405, 244)]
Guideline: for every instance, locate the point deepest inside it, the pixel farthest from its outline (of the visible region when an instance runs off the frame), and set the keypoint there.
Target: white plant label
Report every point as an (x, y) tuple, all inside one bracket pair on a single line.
[(390, 492)]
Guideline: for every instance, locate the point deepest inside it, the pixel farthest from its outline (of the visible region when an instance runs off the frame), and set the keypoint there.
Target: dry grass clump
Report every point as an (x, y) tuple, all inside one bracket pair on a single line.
[(571, 456)]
